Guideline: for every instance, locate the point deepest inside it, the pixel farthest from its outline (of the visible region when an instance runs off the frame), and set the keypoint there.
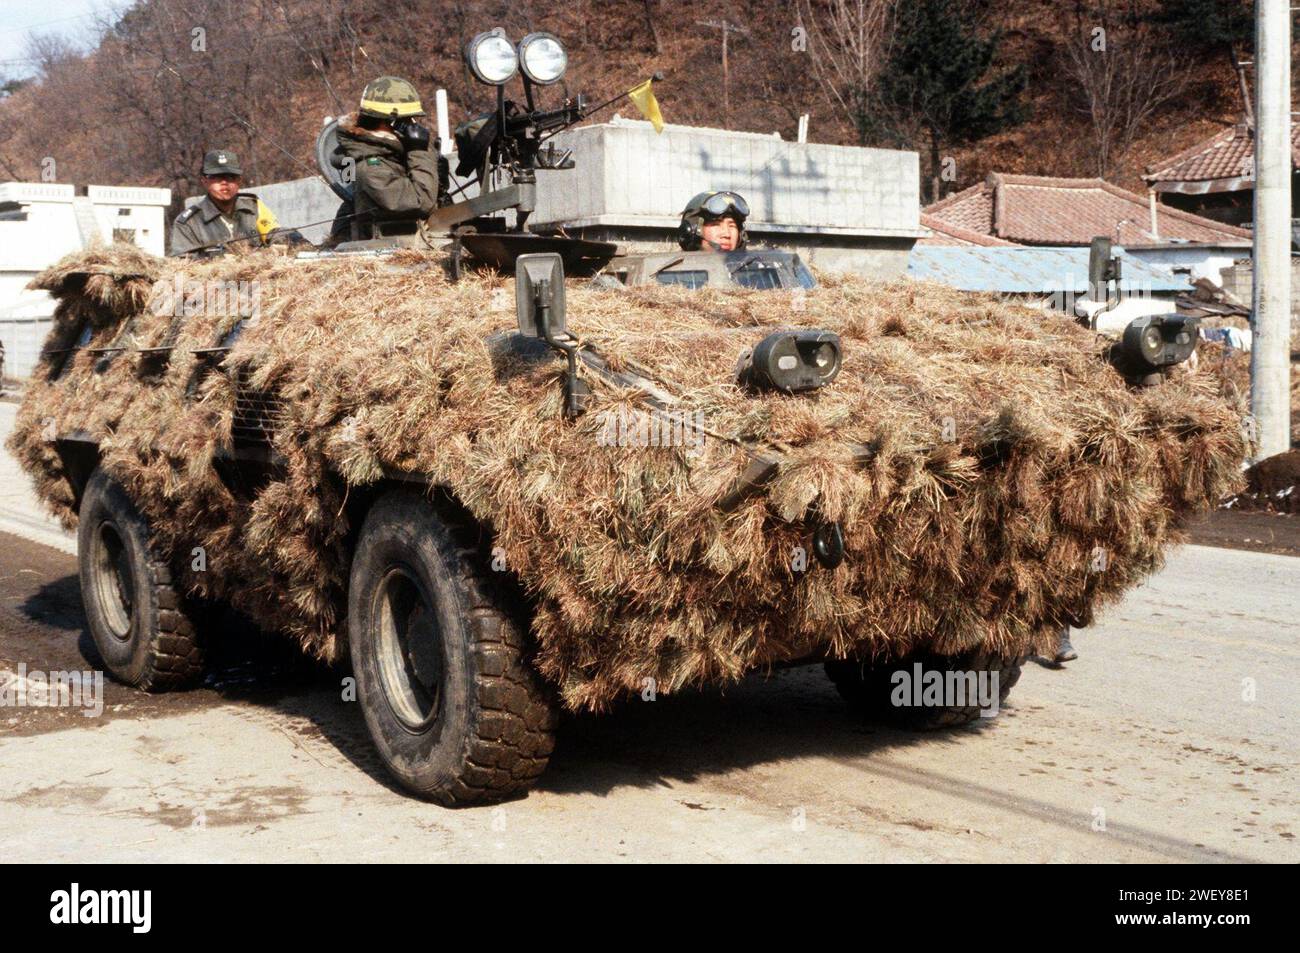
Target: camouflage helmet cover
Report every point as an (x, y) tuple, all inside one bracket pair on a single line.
[(709, 206), (390, 97)]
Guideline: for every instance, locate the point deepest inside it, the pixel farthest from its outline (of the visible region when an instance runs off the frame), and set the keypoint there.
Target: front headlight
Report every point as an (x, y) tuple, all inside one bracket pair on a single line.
[(792, 361), (542, 58), (1154, 341), (492, 57)]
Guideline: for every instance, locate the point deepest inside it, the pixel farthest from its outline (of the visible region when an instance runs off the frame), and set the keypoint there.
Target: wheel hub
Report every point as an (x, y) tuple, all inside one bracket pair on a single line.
[(114, 580), (408, 649)]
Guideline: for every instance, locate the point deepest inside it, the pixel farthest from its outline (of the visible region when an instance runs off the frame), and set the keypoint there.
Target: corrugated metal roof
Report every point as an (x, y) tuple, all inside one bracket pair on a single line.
[(1029, 270)]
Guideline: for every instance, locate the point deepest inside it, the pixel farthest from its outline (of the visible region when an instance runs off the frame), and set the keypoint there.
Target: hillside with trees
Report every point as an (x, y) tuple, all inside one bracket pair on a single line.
[(1058, 87)]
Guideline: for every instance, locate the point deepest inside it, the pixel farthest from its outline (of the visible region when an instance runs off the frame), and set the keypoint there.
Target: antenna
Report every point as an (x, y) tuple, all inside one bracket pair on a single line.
[(727, 29)]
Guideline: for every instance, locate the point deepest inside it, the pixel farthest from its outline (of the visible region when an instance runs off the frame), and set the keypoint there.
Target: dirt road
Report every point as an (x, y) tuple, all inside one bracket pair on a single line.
[(1146, 748)]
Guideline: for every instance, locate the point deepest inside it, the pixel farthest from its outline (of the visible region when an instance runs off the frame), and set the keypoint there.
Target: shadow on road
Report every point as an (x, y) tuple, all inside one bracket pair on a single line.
[(791, 715)]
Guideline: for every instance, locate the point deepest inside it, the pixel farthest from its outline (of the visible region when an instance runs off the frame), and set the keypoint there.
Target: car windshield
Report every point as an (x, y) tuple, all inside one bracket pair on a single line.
[(684, 279), (767, 270), (756, 274)]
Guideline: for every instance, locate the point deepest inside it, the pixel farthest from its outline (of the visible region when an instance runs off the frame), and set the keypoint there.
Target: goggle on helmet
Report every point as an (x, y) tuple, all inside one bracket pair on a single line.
[(707, 206)]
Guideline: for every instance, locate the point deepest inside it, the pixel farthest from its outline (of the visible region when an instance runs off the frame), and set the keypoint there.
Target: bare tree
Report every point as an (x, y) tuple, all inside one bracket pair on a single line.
[(848, 42), (1120, 74), (651, 24), (47, 52)]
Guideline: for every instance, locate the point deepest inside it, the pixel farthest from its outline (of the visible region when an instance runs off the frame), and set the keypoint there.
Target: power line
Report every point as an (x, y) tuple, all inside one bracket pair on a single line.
[(36, 26)]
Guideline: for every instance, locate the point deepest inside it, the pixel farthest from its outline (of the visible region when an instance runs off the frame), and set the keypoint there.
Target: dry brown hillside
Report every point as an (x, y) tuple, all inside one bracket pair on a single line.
[(145, 104)]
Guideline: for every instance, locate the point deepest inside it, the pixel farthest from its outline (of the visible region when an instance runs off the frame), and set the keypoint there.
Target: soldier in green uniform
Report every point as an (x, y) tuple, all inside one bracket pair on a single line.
[(398, 178), (225, 213), (714, 221)]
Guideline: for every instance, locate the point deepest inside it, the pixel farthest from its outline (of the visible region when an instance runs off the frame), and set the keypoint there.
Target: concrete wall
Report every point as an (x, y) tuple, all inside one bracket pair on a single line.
[(1194, 260), (141, 212), (45, 221), (299, 202), (841, 207), (23, 338)]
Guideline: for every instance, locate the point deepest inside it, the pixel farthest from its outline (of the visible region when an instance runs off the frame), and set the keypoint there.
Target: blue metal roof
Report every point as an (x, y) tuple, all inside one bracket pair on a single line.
[(1015, 270)]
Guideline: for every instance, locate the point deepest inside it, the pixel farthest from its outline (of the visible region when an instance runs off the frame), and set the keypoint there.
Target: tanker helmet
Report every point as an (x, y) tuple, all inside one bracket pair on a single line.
[(390, 97), (707, 207)]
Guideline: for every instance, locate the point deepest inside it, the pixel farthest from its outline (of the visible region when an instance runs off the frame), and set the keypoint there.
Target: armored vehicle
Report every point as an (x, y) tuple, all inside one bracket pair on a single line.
[(598, 496)]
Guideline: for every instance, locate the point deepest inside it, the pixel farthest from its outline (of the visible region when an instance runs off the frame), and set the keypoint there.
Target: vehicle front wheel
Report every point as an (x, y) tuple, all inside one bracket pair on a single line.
[(141, 623), (453, 707), (902, 692)]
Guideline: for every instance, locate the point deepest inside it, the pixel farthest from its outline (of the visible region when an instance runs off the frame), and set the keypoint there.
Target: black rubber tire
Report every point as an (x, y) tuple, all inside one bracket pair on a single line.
[(868, 688), (488, 723), (141, 624)]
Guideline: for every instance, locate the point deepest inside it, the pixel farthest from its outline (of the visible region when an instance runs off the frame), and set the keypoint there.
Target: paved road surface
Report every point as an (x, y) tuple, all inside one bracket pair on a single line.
[(1148, 735), (1148, 732)]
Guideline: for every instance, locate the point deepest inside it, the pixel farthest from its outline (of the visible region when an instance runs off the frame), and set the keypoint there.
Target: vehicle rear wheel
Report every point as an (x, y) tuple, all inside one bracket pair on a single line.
[(139, 620), (872, 690), (453, 707)]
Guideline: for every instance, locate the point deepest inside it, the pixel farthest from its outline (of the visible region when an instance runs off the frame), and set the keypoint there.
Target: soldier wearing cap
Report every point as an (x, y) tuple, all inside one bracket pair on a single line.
[(225, 213), (398, 179), (714, 221)]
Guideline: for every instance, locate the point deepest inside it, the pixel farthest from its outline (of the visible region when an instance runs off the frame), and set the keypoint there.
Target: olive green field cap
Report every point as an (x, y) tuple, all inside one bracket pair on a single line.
[(221, 162)]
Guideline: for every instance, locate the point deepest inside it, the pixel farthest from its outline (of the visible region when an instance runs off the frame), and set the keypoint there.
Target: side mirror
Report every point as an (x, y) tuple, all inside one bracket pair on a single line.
[(539, 306), (539, 295), (1103, 267)]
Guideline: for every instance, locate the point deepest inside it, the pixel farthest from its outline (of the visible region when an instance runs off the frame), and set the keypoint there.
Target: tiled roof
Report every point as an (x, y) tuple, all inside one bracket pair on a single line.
[(944, 233), (971, 209), (1041, 210), (1226, 155)]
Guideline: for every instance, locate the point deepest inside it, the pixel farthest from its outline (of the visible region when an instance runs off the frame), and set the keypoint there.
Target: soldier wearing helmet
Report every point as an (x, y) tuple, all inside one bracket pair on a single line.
[(398, 179), (714, 221)]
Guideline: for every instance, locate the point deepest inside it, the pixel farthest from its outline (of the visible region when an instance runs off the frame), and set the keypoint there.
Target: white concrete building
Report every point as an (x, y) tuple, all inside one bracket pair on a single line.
[(1193, 259), (41, 222)]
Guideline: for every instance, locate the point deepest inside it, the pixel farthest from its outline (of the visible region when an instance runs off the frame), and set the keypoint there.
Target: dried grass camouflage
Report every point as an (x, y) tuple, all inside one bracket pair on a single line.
[(987, 539)]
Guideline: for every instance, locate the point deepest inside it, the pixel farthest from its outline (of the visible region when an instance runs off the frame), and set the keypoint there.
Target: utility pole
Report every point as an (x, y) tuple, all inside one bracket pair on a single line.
[(1270, 358), (727, 29)]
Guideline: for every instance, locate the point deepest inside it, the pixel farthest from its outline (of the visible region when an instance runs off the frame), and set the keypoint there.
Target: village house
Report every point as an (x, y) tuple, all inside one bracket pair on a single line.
[(1045, 211), (1216, 177)]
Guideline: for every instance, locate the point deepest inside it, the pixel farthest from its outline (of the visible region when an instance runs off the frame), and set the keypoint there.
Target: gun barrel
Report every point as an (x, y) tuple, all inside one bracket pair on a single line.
[(546, 120)]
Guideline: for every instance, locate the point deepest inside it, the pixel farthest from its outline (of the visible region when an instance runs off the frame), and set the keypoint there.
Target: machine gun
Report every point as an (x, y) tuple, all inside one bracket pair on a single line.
[(500, 153), (509, 141), (510, 144)]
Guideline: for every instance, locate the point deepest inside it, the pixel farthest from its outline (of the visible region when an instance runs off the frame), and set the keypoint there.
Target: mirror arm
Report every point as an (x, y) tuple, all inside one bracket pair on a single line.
[(575, 391)]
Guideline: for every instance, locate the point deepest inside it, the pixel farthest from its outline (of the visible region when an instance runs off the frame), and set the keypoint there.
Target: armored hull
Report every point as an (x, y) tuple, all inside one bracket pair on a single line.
[(989, 476)]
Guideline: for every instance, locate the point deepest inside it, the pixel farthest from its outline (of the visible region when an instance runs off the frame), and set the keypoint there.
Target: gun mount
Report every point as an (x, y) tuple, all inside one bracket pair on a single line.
[(499, 154), (507, 143)]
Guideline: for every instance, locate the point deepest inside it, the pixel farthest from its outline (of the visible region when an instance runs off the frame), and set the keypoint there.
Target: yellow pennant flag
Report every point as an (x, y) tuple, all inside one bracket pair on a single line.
[(644, 98), (266, 222)]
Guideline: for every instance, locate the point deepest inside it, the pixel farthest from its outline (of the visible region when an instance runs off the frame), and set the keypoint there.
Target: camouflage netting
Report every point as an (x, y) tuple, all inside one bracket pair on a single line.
[(1013, 481)]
